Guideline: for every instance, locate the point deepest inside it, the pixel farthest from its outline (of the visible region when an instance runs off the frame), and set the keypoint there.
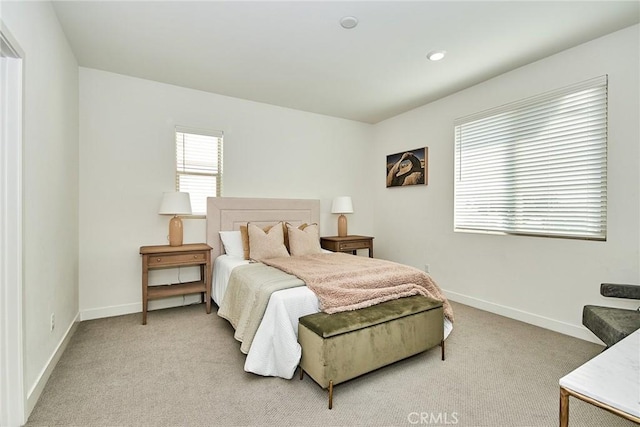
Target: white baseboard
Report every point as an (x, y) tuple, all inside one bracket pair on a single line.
[(119, 310), (577, 331), (114, 310), (34, 394)]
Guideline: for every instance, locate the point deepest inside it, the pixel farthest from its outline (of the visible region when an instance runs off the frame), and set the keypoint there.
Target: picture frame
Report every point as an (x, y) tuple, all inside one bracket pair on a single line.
[(409, 167)]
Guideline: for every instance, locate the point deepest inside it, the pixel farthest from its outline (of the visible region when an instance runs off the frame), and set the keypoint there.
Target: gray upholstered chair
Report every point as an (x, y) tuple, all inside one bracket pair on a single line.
[(613, 324)]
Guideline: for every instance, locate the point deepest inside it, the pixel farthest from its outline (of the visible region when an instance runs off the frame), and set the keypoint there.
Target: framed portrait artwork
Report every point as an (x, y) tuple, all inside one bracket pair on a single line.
[(408, 168)]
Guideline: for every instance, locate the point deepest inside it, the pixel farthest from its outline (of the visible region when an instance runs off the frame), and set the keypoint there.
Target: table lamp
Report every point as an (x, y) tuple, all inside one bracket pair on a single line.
[(175, 203), (342, 205)]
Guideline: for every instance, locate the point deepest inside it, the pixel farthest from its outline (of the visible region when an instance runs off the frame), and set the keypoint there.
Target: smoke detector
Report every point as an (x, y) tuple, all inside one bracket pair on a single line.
[(349, 22)]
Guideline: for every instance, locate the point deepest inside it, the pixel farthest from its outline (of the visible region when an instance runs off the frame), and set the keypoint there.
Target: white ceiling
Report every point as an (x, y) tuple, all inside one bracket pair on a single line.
[(295, 54)]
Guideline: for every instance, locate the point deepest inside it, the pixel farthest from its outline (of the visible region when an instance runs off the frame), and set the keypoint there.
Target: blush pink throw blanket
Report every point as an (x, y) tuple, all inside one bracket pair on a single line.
[(344, 282)]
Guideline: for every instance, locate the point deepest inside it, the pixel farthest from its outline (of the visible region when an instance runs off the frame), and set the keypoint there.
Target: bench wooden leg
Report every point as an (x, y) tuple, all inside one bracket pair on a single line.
[(330, 394), (301, 372), (442, 345)]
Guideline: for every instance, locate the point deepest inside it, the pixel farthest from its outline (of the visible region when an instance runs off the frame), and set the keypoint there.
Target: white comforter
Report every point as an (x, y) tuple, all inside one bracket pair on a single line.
[(275, 350)]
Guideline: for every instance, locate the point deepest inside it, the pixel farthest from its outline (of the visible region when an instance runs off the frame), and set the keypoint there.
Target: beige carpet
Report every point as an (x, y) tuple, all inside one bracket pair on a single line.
[(185, 369)]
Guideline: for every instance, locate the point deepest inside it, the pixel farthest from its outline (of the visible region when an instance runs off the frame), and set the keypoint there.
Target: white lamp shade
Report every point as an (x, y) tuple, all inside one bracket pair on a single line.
[(175, 203), (342, 205)]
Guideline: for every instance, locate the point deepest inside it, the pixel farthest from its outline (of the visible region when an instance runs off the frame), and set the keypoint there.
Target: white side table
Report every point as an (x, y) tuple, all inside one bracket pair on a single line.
[(611, 381)]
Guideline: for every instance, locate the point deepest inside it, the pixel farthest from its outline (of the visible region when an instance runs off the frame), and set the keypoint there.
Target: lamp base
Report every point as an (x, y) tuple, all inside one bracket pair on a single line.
[(342, 226), (175, 231)]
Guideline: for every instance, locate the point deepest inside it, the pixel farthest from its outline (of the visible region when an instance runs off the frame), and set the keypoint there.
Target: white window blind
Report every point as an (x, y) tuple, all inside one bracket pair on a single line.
[(536, 167), (199, 165)]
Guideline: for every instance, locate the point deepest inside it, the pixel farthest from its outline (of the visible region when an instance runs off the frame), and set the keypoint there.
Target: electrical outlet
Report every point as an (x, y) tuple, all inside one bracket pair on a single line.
[(53, 321), (426, 268)]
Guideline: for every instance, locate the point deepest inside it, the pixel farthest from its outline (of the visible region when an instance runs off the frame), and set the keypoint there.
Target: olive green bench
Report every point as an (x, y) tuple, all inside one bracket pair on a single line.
[(341, 346)]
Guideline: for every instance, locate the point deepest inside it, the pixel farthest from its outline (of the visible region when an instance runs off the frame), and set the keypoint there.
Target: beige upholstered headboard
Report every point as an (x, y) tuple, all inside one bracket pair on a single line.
[(229, 213)]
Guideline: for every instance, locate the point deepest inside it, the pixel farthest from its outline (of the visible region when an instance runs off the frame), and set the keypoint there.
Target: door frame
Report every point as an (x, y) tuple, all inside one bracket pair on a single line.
[(12, 390)]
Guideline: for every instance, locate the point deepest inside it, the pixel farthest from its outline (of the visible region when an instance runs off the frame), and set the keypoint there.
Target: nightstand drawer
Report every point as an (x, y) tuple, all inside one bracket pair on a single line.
[(159, 260), (349, 246)]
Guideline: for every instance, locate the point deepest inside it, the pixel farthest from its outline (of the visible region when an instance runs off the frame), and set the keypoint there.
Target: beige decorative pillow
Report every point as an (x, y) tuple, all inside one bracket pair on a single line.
[(304, 240), (244, 232), (286, 233), (266, 244)]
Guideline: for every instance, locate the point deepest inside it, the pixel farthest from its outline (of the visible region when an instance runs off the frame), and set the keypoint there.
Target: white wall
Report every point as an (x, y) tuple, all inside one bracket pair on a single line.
[(539, 280), (50, 186), (127, 160)]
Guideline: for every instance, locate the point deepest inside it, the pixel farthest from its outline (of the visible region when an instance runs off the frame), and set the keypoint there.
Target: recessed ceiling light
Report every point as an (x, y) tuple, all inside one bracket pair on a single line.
[(349, 22), (436, 55)]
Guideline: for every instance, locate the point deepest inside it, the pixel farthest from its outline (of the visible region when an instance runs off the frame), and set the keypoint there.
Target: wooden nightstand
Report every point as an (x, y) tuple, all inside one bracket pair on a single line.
[(166, 256), (347, 244)]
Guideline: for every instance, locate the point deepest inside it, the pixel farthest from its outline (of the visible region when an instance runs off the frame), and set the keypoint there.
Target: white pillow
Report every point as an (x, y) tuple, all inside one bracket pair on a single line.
[(232, 242)]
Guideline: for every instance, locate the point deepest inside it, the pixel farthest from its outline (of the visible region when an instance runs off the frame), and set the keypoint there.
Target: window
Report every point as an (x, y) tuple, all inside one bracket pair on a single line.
[(536, 167), (199, 165)]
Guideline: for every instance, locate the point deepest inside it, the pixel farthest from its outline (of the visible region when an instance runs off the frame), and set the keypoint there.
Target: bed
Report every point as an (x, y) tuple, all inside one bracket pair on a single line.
[(274, 350)]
